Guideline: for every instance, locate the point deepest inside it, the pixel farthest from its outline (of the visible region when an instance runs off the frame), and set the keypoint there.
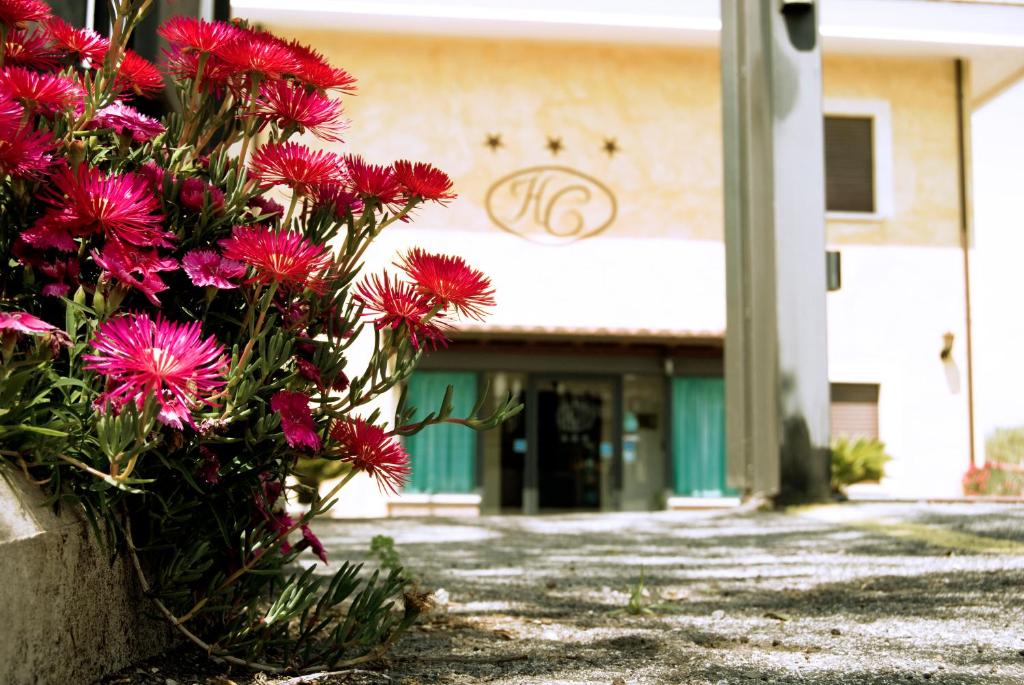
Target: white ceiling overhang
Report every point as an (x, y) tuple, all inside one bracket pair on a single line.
[(991, 35)]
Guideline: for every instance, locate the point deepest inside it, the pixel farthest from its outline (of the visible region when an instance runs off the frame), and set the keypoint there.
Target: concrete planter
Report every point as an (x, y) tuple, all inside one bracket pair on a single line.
[(69, 615)]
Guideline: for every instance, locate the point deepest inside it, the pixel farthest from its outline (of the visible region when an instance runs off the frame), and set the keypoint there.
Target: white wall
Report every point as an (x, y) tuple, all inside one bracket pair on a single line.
[(997, 263)]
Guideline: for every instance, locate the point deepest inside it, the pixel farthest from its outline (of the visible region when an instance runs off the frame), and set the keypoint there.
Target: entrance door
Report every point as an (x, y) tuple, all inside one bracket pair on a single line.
[(576, 442)]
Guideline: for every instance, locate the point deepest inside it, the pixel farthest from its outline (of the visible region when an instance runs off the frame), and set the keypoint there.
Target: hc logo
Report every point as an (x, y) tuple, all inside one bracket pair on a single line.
[(551, 205)]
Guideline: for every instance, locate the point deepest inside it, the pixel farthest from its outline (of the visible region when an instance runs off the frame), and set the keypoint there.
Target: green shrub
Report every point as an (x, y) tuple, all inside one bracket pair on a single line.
[(1005, 446), (857, 460)]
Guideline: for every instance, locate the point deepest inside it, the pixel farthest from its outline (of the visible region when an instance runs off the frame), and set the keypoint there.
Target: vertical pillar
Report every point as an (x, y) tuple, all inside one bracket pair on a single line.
[(776, 366)]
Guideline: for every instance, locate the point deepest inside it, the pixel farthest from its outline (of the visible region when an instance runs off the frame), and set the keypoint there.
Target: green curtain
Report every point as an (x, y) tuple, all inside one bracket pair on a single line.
[(698, 436), (443, 456)]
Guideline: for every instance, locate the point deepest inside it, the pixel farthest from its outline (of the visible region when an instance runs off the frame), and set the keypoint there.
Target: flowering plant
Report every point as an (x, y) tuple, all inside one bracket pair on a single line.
[(174, 339)]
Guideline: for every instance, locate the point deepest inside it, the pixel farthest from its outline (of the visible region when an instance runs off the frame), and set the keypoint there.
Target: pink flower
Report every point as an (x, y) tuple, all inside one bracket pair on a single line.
[(81, 43), (184, 64), (17, 12), (309, 539), (338, 198), (280, 257), (142, 358), (207, 268), (194, 192), (423, 181), (23, 322), (368, 448), (309, 371), (135, 268), (258, 53), (30, 49), (316, 72), (35, 90), (372, 180), (295, 166), (138, 75), (296, 419), (126, 120), (24, 152), (449, 282), (63, 274), (397, 304), (197, 35), (292, 106), (121, 206)]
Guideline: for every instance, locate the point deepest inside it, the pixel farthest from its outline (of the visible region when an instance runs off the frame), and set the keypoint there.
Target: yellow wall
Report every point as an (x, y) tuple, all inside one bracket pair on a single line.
[(436, 99)]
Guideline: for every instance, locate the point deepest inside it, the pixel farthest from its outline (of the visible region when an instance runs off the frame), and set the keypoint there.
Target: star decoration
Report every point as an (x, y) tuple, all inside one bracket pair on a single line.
[(494, 141), (611, 147), (555, 145)]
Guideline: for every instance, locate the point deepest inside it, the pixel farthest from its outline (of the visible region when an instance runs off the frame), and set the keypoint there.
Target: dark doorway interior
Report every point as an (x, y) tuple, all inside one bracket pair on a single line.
[(513, 458), (573, 436)]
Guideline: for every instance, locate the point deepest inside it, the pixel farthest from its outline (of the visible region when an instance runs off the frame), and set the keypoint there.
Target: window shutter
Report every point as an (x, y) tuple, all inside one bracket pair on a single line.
[(849, 164), (855, 410)]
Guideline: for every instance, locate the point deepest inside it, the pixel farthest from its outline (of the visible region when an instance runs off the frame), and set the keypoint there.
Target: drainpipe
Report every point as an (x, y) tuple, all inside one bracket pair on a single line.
[(963, 159)]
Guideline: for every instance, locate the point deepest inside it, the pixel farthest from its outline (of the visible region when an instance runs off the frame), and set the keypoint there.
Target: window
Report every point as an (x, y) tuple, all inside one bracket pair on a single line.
[(858, 166), (855, 410)]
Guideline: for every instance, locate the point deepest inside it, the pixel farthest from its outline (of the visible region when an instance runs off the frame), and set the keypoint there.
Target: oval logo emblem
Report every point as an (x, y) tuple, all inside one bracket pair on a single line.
[(551, 205)]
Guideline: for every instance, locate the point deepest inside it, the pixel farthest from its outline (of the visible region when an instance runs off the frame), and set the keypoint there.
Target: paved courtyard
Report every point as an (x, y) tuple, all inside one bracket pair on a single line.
[(840, 594)]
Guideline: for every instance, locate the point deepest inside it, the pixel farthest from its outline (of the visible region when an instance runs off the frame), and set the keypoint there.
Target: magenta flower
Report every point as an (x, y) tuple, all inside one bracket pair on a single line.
[(295, 166), (142, 358), (126, 120), (369, 448), (289, 105), (122, 206), (194, 192), (280, 257), (24, 152), (309, 539), (81, 43), (135, 268), (296, 419), (207, 268), (45, 92), (189, 33), (397, 304), (23, 322), (16, 12)]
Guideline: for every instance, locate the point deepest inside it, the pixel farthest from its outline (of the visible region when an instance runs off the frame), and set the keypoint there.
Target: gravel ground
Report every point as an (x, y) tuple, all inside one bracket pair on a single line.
[(857, 593)]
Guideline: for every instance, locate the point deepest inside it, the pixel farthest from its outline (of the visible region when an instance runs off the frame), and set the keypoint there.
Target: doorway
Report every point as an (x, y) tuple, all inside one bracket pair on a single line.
[(574, 455)]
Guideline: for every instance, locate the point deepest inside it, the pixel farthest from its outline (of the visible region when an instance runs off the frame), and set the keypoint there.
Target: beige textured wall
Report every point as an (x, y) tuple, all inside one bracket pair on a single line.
[(436, 99)]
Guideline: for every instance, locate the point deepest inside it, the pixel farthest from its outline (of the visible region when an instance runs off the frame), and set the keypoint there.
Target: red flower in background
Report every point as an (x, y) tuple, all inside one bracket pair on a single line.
[(424, 181), (279, 257), (138, 75), (207, 268), (258, 53), (313, 542), (296, 419), (339, 198), (121, 206), (30, 49), (368, 448), (449, 282), (135, 268), (290, 105), (295, 166), (372, 180), (190, 33), (45, 92), (143, 358), (267, 208), (63, 274), (126, 120), (81, 43), (315, 71), (394, 304), (16, 12), (185, 65)]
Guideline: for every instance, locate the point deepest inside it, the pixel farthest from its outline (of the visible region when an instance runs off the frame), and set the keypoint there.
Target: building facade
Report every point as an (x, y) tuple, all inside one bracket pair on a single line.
[(589, 173)]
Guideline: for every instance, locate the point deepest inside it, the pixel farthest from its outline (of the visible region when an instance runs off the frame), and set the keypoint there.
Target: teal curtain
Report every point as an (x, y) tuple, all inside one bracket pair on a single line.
[(443, 456), (698, 436)]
